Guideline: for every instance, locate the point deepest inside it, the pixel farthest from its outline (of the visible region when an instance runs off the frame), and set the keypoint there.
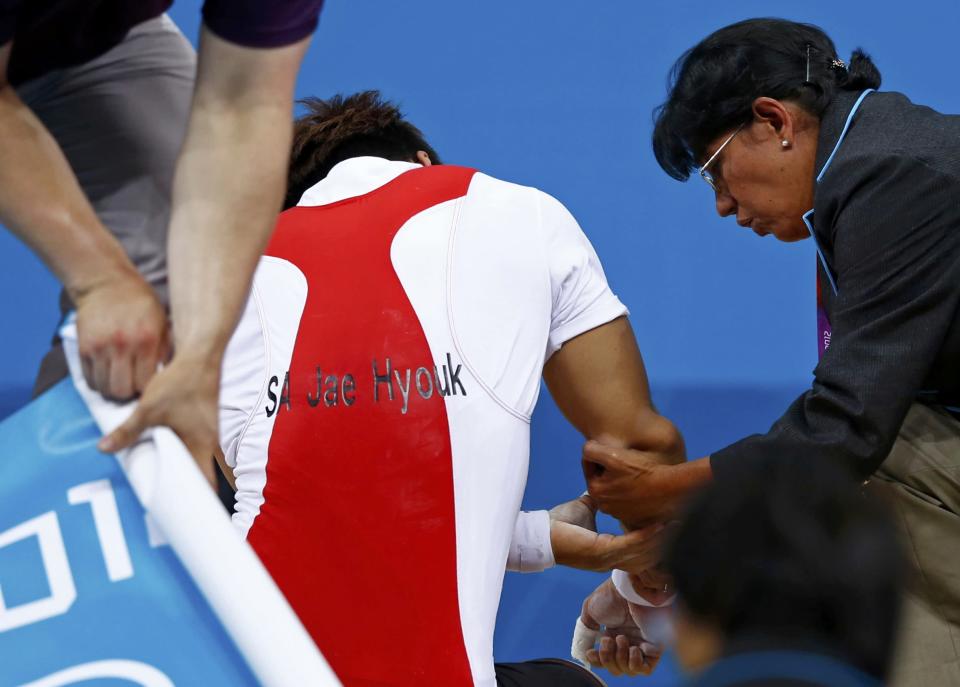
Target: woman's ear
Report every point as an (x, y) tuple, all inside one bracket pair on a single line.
[(779, 119), (424, 158)]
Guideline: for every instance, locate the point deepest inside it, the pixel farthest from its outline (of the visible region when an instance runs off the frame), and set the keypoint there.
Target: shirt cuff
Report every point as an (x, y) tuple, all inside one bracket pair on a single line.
[(530, 548), (596, 316), (262, 25)]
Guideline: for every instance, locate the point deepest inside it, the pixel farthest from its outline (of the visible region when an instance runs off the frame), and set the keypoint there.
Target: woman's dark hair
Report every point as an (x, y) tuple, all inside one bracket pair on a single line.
[(348, 126), (795, 553), (713, 85)]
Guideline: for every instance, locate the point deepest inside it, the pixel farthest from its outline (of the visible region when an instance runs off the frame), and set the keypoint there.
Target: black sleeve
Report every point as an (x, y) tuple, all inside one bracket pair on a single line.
[(896, 254), (262, 23)]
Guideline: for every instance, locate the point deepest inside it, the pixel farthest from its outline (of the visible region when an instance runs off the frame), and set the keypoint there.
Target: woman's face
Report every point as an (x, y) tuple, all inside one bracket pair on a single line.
[(767, 185)]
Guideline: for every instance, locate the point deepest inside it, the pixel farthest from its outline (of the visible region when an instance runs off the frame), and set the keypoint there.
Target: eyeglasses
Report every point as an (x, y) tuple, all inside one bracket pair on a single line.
[(707, 177)]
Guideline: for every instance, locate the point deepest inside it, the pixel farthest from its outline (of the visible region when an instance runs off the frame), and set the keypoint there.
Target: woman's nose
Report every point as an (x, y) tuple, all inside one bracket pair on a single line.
[(726, 205)]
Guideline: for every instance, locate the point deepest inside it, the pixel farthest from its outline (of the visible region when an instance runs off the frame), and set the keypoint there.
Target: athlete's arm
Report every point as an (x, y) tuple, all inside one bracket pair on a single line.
[(228, 189), (577, 544), (567, 535), (599, 382), (121, 324)]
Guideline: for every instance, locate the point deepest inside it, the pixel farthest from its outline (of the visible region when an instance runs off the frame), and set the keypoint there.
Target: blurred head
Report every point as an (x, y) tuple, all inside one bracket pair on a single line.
[(793, 554), (343, 127), (751, 81)]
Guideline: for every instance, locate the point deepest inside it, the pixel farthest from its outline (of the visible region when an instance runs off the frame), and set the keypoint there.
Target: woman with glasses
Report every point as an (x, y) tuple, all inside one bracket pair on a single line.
[(795, 143)]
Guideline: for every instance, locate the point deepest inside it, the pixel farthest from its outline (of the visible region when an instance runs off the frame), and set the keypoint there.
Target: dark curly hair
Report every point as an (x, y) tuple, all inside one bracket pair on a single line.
[(712, 86), (342, 127)]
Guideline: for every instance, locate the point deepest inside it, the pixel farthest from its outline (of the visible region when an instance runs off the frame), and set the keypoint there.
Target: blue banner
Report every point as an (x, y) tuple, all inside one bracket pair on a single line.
[(88, 588)]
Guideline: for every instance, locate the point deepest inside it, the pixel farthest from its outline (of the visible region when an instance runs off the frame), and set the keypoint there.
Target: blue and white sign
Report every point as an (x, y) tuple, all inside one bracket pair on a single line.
[(90, 586)]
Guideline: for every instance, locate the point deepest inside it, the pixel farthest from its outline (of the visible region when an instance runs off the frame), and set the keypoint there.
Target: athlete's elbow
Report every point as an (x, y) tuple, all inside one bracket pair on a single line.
[(660, 437), (647, 431)]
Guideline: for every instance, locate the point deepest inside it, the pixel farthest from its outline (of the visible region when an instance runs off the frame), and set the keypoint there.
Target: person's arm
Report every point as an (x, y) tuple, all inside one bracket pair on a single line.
[(599, 382), (895, 251), (896, 254), (567, 535), (594, 369), (229, 184), (121, 324), (577, 543)]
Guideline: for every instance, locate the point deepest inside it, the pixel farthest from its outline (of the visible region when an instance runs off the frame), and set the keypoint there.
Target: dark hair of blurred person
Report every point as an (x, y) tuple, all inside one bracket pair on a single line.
[(770, 567), (343, 127)]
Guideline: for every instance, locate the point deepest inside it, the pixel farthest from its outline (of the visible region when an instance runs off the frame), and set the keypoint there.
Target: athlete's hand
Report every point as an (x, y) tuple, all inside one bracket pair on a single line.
[(577, 544), (581, 511), (122, 334), (653, 584), (624, 649), (182, 396)]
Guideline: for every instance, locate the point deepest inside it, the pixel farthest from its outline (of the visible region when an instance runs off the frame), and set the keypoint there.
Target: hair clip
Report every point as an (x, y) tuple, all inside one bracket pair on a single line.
[(837, 63)]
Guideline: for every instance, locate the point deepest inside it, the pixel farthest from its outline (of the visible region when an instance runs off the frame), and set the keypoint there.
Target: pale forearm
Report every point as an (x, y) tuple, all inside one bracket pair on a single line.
[(42, 203), (228, 189), (121, 324)]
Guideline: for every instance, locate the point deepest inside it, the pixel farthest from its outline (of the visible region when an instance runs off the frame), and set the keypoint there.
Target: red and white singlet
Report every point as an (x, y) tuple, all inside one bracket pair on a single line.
[(376, 404)]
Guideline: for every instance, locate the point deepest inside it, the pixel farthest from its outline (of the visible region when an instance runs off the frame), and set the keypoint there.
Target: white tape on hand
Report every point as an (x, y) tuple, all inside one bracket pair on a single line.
[(621, 580), (584, 639)]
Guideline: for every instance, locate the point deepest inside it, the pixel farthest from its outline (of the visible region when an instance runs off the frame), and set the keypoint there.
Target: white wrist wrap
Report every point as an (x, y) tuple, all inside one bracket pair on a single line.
[(530, 548)]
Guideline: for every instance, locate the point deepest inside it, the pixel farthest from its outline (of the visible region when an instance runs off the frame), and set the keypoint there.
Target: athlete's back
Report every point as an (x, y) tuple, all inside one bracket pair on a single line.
[(397, 330)]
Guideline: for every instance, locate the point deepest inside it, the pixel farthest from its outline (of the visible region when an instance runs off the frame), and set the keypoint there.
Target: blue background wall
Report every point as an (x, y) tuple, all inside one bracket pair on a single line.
[(559, 95)]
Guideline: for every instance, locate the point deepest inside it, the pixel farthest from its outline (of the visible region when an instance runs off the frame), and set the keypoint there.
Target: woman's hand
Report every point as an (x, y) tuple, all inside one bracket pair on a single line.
[(634, 486)]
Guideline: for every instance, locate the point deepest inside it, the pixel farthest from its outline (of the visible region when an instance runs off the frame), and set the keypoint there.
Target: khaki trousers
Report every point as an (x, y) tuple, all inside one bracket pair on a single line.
[(921, 482)]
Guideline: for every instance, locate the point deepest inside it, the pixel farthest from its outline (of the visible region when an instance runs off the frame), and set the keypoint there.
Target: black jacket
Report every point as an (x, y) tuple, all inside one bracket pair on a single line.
[(887, 220)]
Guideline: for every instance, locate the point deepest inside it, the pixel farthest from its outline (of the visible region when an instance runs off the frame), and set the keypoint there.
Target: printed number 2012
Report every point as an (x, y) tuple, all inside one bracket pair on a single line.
[(46, 528)]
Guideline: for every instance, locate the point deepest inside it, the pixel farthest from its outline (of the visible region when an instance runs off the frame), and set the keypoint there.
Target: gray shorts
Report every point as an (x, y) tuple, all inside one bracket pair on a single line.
[(120, 120)]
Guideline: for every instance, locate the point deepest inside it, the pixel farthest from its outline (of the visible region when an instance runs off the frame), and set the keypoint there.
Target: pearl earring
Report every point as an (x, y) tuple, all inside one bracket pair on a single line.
[(785, 143)]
